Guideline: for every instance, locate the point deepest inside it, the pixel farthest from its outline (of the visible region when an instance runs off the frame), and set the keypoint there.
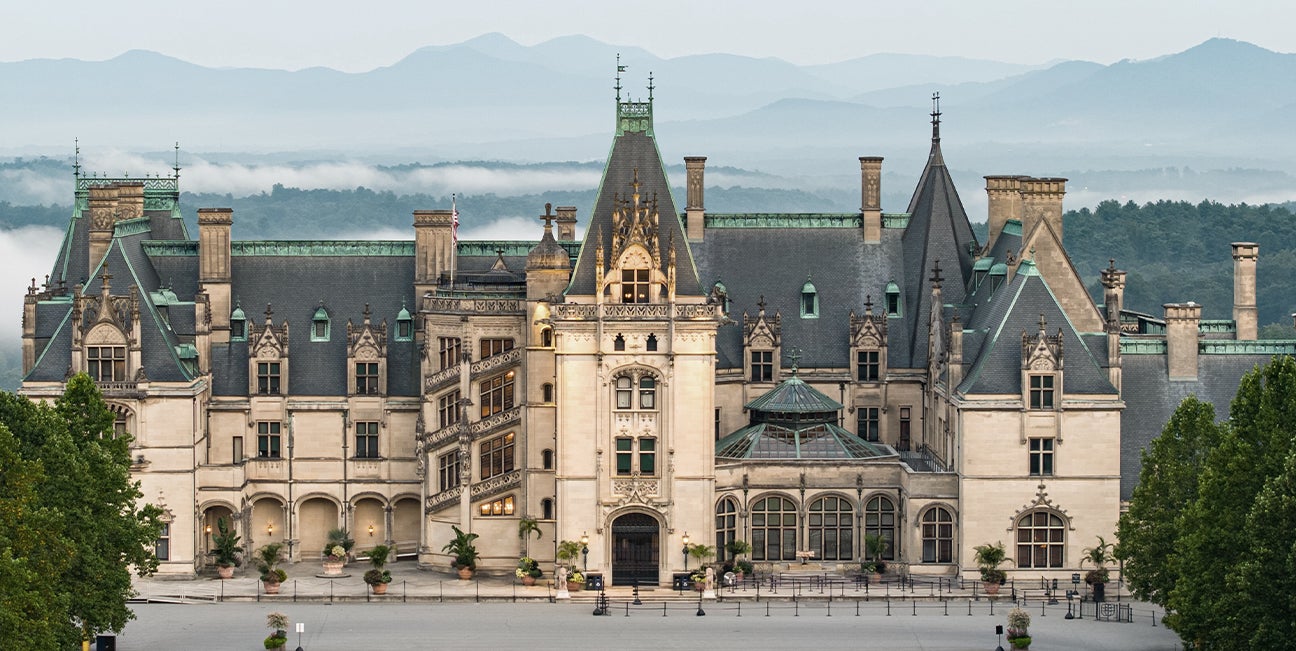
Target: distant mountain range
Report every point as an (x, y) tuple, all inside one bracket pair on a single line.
[(1220, 104)]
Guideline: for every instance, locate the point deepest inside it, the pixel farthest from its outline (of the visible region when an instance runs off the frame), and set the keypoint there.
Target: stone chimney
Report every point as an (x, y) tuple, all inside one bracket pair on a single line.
[(566, 223), (1113, 282), (103, 217), (1245, 255), (695, 206), (130, 200), (871, 197), (433, 248), (955, 353), (1182, 332), (1042, 201), (214, 267), (1004, 202)]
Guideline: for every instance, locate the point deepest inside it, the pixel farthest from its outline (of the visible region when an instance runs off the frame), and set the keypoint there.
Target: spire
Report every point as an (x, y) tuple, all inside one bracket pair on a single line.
[(935, 114), (620, 69), (76, 158), (177, 160)]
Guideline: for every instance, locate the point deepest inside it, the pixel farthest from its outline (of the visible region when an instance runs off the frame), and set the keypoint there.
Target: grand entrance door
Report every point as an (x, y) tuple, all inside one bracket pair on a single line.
[(636, 550)]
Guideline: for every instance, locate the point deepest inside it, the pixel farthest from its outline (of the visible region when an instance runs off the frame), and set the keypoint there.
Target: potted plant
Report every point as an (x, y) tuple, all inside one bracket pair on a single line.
[(698, 579), (575, 581), (379, 576), (1018, 623), (701, 553), (463, 550), (528, 570), (334, 560), (339, 537), (526, 527), (988, 559), (739, 548), (875, 546), (267, 560), (278, 624), (1099, 555), (226, 550)]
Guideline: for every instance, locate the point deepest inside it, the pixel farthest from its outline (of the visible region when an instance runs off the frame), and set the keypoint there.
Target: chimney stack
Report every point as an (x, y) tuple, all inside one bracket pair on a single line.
[(103, 217), (566, 222), (130, 200), (695, 206), (433, 248), (1113, 282), (871, 197), (214, 266), (1042, 201), (1245, 319), (1003, 195), (1183, 322)]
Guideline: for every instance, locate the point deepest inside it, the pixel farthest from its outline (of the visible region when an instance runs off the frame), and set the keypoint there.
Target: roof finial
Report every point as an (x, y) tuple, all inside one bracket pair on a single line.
[(76, 158), (620, 69), (794, 354), (177, 160), (548, 218), (1042, 322), (650, 86), (935, 114)]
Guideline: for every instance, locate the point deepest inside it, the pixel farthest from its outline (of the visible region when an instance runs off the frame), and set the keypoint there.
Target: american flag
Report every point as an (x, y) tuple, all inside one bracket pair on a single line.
[(454, 220)]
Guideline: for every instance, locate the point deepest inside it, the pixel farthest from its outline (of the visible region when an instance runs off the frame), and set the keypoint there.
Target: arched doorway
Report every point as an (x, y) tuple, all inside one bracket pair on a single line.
[(636, 550), (315, 517)]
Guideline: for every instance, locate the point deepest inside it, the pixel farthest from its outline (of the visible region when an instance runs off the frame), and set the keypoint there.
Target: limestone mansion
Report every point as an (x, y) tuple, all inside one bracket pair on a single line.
[(792, 380)]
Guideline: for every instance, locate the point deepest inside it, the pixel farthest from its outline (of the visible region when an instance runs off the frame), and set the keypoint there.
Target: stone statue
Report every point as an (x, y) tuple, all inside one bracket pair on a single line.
[(709, 583), (560, 576)]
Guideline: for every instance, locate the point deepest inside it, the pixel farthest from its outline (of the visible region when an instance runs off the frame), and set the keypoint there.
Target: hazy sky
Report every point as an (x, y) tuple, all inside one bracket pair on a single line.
[(358, 36)]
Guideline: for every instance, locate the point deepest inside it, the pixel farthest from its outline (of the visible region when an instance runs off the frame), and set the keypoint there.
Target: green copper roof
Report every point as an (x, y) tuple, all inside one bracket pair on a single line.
[(999, 269), (817, 441), (983, 264), (792, 396), (1012, 227)]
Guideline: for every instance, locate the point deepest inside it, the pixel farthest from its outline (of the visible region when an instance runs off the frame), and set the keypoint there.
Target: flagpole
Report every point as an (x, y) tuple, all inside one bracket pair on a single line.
[(454, 235)]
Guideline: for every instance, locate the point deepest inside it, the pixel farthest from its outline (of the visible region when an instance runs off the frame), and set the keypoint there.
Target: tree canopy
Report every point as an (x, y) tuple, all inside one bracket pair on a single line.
[(71, 513), (1208, 531)]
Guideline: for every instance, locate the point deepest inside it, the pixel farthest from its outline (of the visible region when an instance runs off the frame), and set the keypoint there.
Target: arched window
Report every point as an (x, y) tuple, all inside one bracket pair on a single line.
[(893, 305), (546, 459), (809, 300), (831, 529), (937, 536), (1041, 537), (404, 325), (618, 343), (238, 324), (774, 529), (652, 342), (647, 393), (546, 509), (546, 338), (726, 523), (879, 520), (546, 392), (320, 325), (625, 392)]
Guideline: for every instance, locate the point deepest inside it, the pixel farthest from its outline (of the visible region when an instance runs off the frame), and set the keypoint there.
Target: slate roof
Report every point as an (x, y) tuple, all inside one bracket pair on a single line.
[(635, 151), (774, 263), (938, 231), (1015, 309)]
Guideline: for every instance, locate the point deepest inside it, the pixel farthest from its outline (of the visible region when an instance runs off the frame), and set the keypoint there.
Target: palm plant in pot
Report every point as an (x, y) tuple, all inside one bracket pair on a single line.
[(1099, 556), (378, 577), (268, 559), (875, 546), (738, 549), (988, 558), (463, 550), (339, 537), (226, 549)]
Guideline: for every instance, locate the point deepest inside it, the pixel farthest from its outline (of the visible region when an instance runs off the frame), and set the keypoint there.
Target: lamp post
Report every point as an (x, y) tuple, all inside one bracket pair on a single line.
[(686, 550), (585, 549)]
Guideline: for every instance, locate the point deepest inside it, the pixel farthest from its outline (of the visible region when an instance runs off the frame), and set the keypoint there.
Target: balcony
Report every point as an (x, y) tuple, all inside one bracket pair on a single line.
[(440, 379), (496, 362)]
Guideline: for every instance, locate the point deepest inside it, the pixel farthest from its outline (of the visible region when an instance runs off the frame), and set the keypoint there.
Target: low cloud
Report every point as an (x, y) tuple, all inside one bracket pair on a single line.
[(28, 252)]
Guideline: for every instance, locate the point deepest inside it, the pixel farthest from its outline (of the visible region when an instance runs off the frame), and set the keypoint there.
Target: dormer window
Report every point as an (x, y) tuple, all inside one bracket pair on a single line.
[(1041, 391), (404, 325), (238, 325), (320, 325), (106, 363), (635, 284), (893, 305), (809, 300)]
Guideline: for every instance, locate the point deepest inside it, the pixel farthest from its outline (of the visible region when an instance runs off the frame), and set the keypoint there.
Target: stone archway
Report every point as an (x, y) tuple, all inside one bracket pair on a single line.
[(636, 550), (315, 517), (370, 517), (210, 527), (405, 524)]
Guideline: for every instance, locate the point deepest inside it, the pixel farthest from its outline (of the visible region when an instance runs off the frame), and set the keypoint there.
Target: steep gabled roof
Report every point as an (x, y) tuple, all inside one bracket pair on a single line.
[(1017, 308), (938, 231), (635, 154)]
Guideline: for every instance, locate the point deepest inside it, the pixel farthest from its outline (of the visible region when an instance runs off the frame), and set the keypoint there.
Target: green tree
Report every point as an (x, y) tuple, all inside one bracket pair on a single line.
[(32, 554), (1260, 589), (1148, 531), (87, 483)]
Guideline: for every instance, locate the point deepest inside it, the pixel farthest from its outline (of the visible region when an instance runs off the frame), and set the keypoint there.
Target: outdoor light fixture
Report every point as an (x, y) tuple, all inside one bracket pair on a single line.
[(585, 549), (371, 529), (269, 528), (208, 529), (686, 548)]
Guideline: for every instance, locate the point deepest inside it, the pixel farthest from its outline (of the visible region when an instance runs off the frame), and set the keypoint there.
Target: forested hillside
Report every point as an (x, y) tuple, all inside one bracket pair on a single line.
[(1175, 251)]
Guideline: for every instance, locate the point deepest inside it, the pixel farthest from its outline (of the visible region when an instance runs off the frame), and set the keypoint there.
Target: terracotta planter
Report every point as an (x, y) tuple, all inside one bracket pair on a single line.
[(271, 587), (990, 588), (573, 586), (465, 573), (380, 588), (699, 586), (528, 580), (334, 568), (225, 572)]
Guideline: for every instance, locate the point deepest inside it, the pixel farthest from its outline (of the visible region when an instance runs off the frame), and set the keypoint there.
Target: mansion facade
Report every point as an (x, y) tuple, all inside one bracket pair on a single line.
[(797, 381)]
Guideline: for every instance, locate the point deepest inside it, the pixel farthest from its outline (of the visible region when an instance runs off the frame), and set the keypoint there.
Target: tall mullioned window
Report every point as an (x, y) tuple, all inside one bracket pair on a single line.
[(774, 529), (497, 394), (448, 352), (762, 366), (106, 363), (496, 456), (726, 522), (1041, 392), (366, 446), (831, 529), (448, 471), (635, 285), (448, 409), (866, 363), (366, 377), (937, 536), (1041, 457), (880, 520), (268, 378), (491, 347), (866, 421), (268, 440), (1041, 539)]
